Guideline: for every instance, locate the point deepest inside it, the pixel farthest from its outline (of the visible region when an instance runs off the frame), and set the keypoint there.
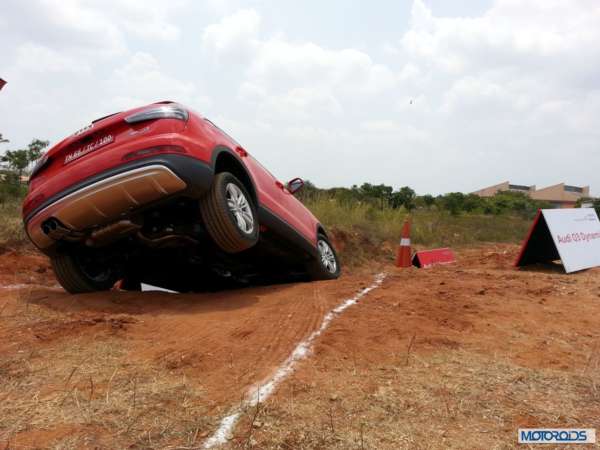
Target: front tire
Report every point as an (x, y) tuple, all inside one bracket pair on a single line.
[(229, 214), (79, 275), (327, 264)]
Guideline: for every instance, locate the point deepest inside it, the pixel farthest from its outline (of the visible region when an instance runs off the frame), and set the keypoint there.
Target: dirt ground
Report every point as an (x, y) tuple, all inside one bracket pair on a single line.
[(457, 356)]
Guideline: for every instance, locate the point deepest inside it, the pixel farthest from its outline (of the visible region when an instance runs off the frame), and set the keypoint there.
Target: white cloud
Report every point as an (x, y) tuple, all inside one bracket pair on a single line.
[(147, 19), (83, 28), (40, 59), (457, 102), (527, 36), (288, 81), (234, 36), (278, 60), (142, 80), (300, 103), (475, 91)]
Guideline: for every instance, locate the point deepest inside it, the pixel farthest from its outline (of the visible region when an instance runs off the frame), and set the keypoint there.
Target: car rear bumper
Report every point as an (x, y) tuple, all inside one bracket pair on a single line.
[(113, 194)]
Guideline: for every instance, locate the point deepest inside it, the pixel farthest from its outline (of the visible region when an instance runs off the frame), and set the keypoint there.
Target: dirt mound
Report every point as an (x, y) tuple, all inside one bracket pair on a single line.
[(356, 246)]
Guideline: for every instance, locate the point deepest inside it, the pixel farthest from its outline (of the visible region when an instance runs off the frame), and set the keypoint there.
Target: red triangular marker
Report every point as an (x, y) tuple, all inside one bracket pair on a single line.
[(427, 258)]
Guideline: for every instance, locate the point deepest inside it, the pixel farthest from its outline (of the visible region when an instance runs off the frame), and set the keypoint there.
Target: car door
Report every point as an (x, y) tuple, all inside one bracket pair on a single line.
[(274, 195), (298, 215)]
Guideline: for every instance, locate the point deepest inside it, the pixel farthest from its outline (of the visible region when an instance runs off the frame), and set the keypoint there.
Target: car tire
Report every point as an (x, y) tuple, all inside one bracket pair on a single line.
[(229, 214), (76, 276), (327, 265)]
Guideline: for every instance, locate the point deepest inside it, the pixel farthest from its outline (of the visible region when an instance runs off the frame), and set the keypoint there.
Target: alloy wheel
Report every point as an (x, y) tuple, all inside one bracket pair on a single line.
[(240, 208), (327, 256)]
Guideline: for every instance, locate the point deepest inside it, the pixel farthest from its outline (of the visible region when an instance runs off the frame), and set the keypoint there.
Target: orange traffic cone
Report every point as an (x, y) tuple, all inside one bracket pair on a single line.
[(404, 252)]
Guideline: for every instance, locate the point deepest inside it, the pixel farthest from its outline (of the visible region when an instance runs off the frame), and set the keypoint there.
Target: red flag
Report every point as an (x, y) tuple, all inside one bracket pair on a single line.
[(2, 83)]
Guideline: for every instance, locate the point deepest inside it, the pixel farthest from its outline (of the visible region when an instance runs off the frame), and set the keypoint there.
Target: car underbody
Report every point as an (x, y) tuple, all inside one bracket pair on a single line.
[(167, 245)]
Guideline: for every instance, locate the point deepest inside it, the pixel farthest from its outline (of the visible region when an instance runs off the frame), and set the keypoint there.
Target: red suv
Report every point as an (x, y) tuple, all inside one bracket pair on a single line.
[(161, 195)]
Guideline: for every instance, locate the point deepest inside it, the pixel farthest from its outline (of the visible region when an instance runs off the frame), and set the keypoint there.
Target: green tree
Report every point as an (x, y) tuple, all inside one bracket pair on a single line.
[(472, 203), (404, 197), (19, 160), (35, 149), (380, 193), (16, 160), (428, 200), (452, 202)]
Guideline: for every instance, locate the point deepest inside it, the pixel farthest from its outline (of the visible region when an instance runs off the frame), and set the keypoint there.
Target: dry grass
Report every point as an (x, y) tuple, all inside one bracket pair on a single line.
[(93, 389), (430, 227), (363, 232), (11, 225), (110, 401), (63, 392), (453, 399)]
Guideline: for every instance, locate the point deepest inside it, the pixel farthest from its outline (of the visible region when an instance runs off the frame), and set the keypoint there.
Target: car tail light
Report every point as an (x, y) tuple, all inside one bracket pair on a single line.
[(145, 152), (171, 111), (39, 165)]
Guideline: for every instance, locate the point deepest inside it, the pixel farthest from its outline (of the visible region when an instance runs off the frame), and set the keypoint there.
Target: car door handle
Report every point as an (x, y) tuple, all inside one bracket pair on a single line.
[(280, 185)]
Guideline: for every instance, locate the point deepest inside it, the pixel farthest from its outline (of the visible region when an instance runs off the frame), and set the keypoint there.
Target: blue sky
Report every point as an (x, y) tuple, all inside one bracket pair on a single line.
[(439, 95)]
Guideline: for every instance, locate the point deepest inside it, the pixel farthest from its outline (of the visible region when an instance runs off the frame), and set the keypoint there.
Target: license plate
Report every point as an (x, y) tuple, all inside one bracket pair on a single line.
[(88, 148)]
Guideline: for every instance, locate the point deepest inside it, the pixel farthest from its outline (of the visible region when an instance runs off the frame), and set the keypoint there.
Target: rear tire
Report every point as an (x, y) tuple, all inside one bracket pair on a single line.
[(327, 264), (78, 275), (229, 214)]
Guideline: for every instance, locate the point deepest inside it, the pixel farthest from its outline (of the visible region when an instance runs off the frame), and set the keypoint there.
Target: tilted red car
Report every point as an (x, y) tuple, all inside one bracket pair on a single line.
[(161, 195)]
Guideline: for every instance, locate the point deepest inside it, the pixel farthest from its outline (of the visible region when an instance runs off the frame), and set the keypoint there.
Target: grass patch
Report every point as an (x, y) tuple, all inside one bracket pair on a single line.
[(454, 399), (94, 394), (11, 225), (360, 229)]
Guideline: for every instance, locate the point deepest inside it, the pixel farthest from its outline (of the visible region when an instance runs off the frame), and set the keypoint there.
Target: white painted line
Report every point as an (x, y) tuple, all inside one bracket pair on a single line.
[(261, 392), (150, 288)]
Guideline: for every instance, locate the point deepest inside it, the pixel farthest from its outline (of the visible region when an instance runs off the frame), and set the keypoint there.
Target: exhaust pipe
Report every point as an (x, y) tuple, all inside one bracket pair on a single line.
[(111, 232), (167, 240), (46, 228), (57, 231)]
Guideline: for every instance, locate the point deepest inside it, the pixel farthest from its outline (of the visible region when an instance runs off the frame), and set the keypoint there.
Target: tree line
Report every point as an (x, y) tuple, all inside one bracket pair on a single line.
[(15, 165), (454, 203)]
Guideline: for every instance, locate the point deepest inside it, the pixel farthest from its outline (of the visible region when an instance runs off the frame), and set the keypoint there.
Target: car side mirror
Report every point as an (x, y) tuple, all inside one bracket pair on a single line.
[(295, 185)]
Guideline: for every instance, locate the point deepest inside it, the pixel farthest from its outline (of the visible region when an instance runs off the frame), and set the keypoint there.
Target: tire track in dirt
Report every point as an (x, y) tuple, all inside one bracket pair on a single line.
[(299, 322), (223, 341)]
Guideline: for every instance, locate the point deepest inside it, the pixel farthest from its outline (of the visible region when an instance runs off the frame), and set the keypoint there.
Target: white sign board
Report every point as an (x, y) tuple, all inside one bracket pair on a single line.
[(576, 234)]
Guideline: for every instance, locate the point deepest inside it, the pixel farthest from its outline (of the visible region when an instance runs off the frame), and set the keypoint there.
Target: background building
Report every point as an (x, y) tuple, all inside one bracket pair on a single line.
[(506, 186), (559, 195)]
